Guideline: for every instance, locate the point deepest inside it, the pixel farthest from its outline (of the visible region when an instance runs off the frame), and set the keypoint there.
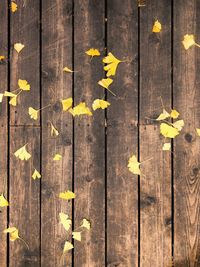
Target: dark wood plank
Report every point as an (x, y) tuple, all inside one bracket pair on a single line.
[(155, 183), (25, 198), (122, 119), (56, 85), (25, 65), (3, 126), (89, 169), (187, 145)]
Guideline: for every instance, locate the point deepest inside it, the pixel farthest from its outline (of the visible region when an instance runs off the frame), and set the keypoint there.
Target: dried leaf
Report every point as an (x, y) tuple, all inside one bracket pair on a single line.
[(112, 63), (67, 195), (33, 113), (68, 246), (54, 131), (13, 7), (13, 232), (86, 224), (168, 131), (166, 146), (3, 201), (18, 47), (76, 236), (80, 109), (67, 103), (134, 165), (93, 52), (57, 157), (22, 153), (24, 85), (163, 115), (64, 219), (99, 103), (66, 69), (36, 175)]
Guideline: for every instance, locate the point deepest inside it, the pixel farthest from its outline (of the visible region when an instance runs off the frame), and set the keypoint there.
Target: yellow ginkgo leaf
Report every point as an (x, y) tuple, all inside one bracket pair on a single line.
[(22, 153), (166, 146), (76, 236), (188, 41), (54, 131), (198, 131), (99, 103), (13, 100), (105, 83), (93, 52), (174, 114), (66, 69), (64, 219), (33, 113), (2, 58), (163, 115), (168, 131), (112, 63), (13, 232), (1, 97), (68, 246), (178, 125), (157, 26), (80, 109), (3, 201), (24, 85), (67, 103), (134, 165), (86, 224), (36, 175), (67, 195), (57, 157), (13, 7), (18, 47), (9, 94)]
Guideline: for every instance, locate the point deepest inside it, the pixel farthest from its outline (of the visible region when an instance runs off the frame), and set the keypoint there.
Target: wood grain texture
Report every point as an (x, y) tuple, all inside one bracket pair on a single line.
[(122, 186), (56, 85), (3, 127), (89, 134), (187, 145), (25, 29), (25, 198), (155, 184)]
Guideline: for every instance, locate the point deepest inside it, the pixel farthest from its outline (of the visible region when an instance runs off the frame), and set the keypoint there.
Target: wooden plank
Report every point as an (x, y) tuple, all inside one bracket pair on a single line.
[(187, 145), (122, 119), (89, 138), (155, 184), (25, 65), (24, 195), (56, 85), (3, 127)]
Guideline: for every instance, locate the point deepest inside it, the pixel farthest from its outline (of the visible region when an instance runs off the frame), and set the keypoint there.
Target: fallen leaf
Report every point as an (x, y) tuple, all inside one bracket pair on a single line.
[(13, 7), (64, 219), (86, 224), (24, 85), (198, 131), (54, 131), (76, 236), (57, 157), (18, 47), (174, 114), (166, 146), (66, 69), (68, 246), (163, 115), (99, 103), (188, 41), (67, 195), (13, 100), (22, 153), (33, 113), (67, 103), (178, 125), (3, 201), (93, 52), (105, 83), (141, 3), (157, 27), (168, 131), (13, 232), (36, 175), (134, 165), (112, 63), (1, 97), (2, 58), (80, 109)]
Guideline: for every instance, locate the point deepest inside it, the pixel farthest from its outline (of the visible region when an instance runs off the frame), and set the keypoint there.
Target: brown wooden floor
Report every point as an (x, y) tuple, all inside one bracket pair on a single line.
[(147, 221)]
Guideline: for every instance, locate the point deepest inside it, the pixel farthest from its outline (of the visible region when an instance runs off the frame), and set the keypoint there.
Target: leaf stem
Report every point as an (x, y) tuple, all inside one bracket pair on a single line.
[(197, 45), (44, 107), (24, 242), (111, 92)]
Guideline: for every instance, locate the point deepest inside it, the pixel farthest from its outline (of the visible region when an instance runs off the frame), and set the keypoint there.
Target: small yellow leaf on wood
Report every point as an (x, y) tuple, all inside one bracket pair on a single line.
[(36, 175), (188, 41), (13, 232), (18, 47), (9, 94), (93, 52), (57, 157), (134, 165), (1, 97), (157, 26), (80, 109), (174, 114), (54, 131), (198, 131), (13, 7), (99, 103), (68, 246), (166, 146), (13, 100), (163, 115), (65, 221), (24, 85), (67, 103), (3, 201), (76, 236), (66, 69), (22, 153), (105, 82), (33, 113), (168, 131), (112, 64), (2, 58), (178, 125), (86, 224), (67, 195)]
